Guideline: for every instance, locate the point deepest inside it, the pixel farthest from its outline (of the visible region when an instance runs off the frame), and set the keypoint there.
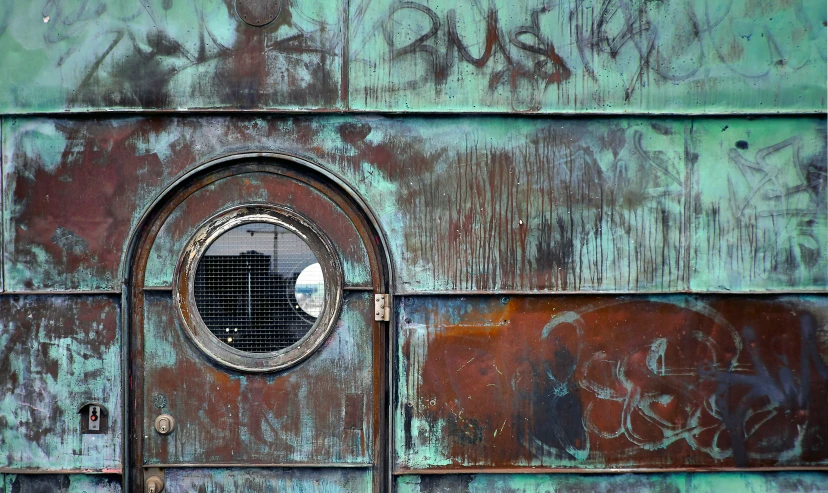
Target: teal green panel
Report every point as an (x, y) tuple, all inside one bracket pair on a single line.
[(81, 55), (761, 205), (695, 56), (266, 480), (62, 483), (736, 482), (56, 354), (484, 203)]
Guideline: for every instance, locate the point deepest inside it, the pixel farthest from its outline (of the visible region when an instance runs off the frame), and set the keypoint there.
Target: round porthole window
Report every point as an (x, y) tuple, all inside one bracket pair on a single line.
[(258, 288)]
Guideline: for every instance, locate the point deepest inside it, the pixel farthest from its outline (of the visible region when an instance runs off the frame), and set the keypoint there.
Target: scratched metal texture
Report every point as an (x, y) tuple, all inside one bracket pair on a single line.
[(588, 55), (61, 483), (466, 203), (797, 482), (609, 56), (319, 411), (56, 354), (260, 188), (81, 55), (300, 480), (669, 381)]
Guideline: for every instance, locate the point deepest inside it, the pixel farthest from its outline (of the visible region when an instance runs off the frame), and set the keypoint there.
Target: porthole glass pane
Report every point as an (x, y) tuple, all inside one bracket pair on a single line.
[(310, 290), (248, 292)]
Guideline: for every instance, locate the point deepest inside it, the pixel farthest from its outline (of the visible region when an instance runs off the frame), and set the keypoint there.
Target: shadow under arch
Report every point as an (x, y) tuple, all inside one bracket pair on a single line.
[(135, 256)]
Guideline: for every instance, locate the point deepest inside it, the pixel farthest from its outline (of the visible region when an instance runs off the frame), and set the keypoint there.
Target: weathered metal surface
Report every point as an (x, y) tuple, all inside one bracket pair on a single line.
[(799, 482), (488, 203), (62, 483), (588, 55), (305, 480), (611, 382), (581, 55), (258, 187), (227, 417), (56, 354), (167, 54)]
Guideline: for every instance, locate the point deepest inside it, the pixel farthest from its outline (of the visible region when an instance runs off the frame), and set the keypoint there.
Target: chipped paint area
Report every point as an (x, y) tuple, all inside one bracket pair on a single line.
[(300, 480), (610, 56), (164, 54), (61, 483), (56, 354), (262, 188), (494, 203), (292, 416), (588, 55), (621, 382), (741, 482)]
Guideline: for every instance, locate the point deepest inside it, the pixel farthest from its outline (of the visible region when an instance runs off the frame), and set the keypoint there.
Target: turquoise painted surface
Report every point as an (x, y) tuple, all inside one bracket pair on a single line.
[(80, 55), (689, 56), (56, 354), (62, 483), (486, 203), (301, 480), (801, 482), (588, 55)]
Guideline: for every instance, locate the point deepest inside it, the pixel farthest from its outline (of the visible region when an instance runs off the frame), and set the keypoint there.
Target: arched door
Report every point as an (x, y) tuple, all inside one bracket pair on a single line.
[(256, 360)]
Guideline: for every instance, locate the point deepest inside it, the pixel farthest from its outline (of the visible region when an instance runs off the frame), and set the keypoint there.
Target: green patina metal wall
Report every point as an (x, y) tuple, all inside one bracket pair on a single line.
[(650, 247)]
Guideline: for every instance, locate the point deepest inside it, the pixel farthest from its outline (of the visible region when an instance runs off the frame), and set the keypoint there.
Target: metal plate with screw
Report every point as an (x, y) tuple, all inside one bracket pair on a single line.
[(258, 12), (164, 424)]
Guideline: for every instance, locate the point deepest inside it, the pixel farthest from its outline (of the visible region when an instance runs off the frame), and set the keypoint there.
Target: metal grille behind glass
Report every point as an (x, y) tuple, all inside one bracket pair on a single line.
[(259, 288)]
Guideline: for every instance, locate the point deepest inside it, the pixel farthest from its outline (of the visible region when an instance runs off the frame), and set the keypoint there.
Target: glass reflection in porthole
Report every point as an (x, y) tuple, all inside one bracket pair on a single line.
[(310, 290)]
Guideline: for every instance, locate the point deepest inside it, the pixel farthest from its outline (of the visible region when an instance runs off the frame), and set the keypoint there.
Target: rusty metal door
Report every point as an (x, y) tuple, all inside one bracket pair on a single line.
[(318, 421)]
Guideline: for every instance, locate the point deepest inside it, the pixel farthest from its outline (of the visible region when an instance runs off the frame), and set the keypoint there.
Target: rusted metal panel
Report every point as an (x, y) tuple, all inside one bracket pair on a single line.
[(168, 54), (258, 187), (317, 480), (62, 483), (588, 55), (611, 382), (489, 203), (56, 354), (423, 55), (741, 482), (295, 416)]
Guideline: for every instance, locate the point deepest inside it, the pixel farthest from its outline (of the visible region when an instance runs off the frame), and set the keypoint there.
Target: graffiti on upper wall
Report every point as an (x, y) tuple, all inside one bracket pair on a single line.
[(626, 382), (585, 54), (166, 54), (671, 56)]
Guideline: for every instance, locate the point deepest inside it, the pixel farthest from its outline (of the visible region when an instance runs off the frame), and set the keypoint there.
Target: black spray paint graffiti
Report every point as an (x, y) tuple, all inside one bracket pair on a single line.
[(668, 39), (526, 57)]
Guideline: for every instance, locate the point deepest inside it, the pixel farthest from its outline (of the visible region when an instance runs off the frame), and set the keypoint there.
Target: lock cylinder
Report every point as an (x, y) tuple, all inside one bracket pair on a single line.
[(164, 424)]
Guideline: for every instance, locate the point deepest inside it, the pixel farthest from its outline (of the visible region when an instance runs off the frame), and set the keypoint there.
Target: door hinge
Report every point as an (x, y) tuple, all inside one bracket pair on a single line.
[(382, 307)]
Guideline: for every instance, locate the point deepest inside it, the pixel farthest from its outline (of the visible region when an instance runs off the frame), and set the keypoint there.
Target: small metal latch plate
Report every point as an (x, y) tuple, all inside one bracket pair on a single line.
[(382, 307)]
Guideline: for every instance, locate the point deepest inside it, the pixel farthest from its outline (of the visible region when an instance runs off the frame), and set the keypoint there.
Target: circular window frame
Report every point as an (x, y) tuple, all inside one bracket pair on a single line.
[(184, 288)]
